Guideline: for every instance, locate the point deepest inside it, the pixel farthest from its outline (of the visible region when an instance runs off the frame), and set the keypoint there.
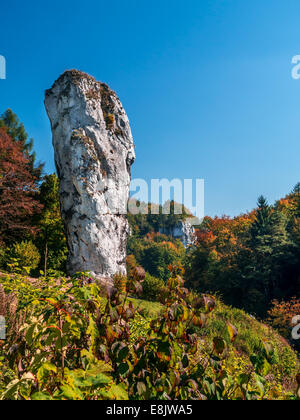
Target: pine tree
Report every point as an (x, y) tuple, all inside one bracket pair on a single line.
[(296, 189), (296, 198), (271, 248), (261, 224)]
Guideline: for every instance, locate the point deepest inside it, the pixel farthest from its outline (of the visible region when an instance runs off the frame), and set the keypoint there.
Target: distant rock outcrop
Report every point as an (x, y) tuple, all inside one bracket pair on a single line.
[(183, 230), (94, 152)]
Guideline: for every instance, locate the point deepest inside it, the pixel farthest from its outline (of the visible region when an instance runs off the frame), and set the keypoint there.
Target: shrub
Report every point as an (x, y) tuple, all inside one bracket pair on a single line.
[(24, 256), (153, 288), (120, 283), (74, 344), (2, 257)]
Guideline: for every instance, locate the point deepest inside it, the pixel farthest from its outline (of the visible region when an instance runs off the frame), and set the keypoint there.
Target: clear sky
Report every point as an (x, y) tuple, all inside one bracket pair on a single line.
[(206, 84)]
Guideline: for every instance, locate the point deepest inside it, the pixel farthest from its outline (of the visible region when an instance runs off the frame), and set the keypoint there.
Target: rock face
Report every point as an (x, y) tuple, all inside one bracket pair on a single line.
[(94, 152), (184, 231)]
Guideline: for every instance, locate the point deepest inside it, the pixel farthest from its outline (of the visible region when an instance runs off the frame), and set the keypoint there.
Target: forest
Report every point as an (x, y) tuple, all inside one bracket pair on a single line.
[(212, 321)]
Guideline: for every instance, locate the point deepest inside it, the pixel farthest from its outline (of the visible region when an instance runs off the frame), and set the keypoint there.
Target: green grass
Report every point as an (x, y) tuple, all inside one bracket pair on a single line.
[(147, 309)]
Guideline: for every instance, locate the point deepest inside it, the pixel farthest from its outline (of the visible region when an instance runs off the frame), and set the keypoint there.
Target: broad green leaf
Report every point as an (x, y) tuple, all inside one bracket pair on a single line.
[(41, 396)]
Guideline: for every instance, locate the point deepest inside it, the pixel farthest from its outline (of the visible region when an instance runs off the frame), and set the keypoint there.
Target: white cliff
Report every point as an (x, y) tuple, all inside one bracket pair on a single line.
[(183, 230), (94, 152)]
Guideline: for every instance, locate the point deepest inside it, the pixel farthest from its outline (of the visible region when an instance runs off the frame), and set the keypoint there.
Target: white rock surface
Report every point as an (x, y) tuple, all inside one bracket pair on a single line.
[(183, 230), (94, 152)]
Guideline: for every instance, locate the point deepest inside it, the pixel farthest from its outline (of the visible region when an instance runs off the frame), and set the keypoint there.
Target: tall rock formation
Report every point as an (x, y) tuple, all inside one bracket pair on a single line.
[(94, 152)]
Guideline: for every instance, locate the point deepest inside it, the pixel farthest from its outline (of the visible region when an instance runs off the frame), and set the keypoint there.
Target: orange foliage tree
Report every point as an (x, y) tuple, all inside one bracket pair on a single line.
[(281, 315)]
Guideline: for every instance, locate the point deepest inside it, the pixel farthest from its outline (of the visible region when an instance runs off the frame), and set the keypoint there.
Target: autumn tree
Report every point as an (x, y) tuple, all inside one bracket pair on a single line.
[(250, 259), (281, 317), (155, 252), (16, 130), (17, 190)]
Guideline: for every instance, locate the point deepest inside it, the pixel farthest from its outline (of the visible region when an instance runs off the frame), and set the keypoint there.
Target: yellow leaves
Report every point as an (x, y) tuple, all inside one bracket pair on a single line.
[(44, 371), (116, 392), (92, 331), (233, 331)]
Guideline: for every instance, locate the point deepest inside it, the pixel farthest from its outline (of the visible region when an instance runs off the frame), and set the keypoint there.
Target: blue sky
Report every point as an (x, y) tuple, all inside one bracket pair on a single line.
[(206, 84)]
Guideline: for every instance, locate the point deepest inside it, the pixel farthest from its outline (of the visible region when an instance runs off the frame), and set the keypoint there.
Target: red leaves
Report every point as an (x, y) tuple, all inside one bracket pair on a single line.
[(197, 321), (17, 187)]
